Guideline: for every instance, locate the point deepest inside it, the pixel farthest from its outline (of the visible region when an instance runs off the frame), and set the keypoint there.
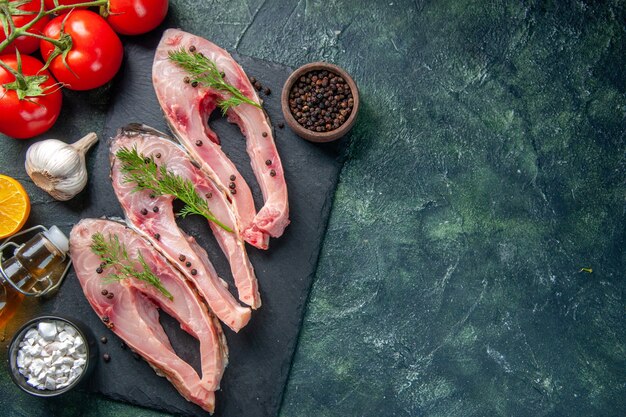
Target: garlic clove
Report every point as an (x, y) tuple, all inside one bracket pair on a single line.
[(59, 168)]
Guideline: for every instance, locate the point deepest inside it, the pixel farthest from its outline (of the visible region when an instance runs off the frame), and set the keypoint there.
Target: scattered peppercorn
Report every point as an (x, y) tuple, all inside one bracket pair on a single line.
[(110, 296), (106, 357), (105, 319), (272, 173), (144, 211), (268, 162), (99, 270), (233, 177), (264, 134), (233, 191), (155, 209), (267, 91), (158, 155), (257, 86), (194, 84), (187, 264), (194, 272), (192, 48), (157, 236), (252, 80), (232, 185), (198, 143), (104, 340), (182, 258), (186, 80), (208, 195), (321, 101), (104, 292), (281, 125)]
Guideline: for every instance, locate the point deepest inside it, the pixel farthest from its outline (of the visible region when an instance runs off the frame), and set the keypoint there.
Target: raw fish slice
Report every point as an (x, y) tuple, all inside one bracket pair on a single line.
[(158, 225), (150, 142), (132, 312), (187, 109)]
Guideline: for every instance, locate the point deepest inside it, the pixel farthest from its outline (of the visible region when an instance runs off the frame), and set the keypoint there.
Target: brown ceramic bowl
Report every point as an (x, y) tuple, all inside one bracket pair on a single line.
[(301, 130)]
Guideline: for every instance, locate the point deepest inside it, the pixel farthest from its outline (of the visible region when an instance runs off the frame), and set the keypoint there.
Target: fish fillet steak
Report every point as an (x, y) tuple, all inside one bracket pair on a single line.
[(187, 109), (153, 217), (148, 142), (130, 309)]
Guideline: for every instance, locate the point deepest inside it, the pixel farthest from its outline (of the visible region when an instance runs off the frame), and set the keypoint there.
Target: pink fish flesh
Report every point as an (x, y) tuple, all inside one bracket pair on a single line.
[(154, 219), (187, 109), (150, 143), (132, 312)]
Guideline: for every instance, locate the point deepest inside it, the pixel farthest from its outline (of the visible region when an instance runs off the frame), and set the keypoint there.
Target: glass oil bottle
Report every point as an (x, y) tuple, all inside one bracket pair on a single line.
[(35, 269)]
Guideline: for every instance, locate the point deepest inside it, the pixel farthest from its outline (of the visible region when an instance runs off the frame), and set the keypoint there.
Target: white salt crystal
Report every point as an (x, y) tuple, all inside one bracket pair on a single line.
[(47, 330), (51, 356)]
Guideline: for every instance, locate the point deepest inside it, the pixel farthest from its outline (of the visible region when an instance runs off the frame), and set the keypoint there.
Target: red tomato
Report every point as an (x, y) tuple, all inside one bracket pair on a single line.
[(25, 44), (50, 3), (134, 17), (96, 50), (34, 114)]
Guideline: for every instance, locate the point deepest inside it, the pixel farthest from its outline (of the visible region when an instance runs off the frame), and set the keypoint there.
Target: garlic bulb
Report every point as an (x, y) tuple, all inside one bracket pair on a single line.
[(59, 168)]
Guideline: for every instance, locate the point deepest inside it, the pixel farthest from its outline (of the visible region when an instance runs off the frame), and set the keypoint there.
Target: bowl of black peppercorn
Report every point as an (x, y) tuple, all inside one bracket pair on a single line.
[(320, 102)]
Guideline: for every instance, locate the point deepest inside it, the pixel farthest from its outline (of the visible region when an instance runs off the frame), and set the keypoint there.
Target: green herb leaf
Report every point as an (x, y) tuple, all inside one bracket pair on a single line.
[(113, 253), (147, 175), (204, 71)]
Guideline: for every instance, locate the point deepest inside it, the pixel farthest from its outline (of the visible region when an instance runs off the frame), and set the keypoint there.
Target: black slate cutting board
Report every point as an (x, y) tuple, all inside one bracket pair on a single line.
[(260, 354)]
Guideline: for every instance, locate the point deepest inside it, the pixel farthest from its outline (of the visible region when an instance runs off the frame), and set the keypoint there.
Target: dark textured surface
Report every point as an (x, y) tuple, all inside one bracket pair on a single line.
[(487, 168)]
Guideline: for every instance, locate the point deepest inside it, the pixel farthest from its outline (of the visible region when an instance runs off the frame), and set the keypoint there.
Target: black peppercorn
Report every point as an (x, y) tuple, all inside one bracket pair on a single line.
[(182, 258), (198, 143), (315, 98), (194, 272), (106, 357), (233, 177), (104, 292), (155, 209), (187, 264), (103, 340), (144, 211)]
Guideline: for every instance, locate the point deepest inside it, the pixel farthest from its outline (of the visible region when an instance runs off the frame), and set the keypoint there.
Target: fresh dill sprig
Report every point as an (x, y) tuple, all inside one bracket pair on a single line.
[(204, 71), (114, 253), (147, 175)]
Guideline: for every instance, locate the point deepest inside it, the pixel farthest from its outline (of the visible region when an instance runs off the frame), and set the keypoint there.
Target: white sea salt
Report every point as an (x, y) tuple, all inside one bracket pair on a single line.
[(51, 356)]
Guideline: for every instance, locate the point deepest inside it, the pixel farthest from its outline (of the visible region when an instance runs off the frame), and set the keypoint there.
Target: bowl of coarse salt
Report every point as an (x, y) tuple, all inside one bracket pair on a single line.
[(51, 355)]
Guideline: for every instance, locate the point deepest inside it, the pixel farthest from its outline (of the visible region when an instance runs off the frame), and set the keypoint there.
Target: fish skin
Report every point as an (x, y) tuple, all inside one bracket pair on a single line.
[(171, 241), (187, 109), (132, 314), (177, 161)]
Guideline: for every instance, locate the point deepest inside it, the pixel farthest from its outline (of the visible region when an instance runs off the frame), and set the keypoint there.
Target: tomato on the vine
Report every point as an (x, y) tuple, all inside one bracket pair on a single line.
[(134, 17), (30, 105), (94, 51), (25, 44)]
